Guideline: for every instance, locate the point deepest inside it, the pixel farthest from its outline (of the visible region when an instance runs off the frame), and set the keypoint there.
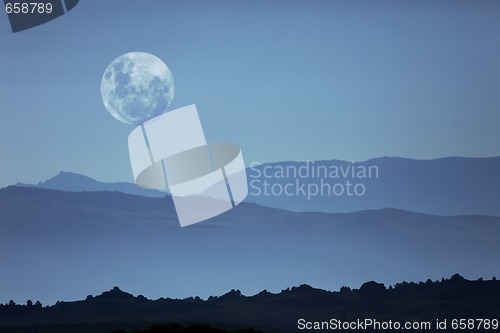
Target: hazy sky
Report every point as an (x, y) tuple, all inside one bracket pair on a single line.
[(287, 80)]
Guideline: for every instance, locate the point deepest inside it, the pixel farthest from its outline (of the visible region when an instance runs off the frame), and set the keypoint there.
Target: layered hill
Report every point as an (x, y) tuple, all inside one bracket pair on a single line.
[(445, 186), (57, 245)]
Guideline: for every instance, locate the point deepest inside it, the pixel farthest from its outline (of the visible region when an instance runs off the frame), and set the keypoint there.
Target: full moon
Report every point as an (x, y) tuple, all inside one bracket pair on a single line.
[(136, 87)]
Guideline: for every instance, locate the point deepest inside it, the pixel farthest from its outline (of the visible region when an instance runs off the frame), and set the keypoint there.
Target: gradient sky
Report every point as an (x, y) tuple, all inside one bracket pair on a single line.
[(287, 80)]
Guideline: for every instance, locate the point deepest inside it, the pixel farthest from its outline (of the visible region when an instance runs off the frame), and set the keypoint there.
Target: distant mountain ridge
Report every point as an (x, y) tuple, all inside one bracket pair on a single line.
[(73, 182), (445, 186)]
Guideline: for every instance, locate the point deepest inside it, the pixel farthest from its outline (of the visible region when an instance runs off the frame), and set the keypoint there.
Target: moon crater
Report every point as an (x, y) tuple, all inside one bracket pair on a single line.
[(136, 87)]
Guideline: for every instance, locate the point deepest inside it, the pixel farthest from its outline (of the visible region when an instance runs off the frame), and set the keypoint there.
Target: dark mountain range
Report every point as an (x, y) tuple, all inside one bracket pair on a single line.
[(57, 245), (445, 186), (288, 311), (73, 182)]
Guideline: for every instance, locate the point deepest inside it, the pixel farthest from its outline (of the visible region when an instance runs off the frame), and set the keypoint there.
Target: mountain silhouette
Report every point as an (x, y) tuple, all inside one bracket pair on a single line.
[(271, 312), (444, 186), (73, 182)]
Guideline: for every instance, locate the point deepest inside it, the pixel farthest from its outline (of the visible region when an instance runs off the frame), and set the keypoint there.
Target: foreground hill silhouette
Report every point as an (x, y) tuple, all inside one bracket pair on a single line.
[(118, 310)]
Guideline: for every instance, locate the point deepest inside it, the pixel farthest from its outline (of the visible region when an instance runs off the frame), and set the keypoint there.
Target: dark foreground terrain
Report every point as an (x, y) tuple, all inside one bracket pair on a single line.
[(118, 311)]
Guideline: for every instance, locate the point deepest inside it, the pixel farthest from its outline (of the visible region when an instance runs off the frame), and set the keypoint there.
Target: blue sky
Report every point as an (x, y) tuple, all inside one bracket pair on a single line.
[(287, 80)]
